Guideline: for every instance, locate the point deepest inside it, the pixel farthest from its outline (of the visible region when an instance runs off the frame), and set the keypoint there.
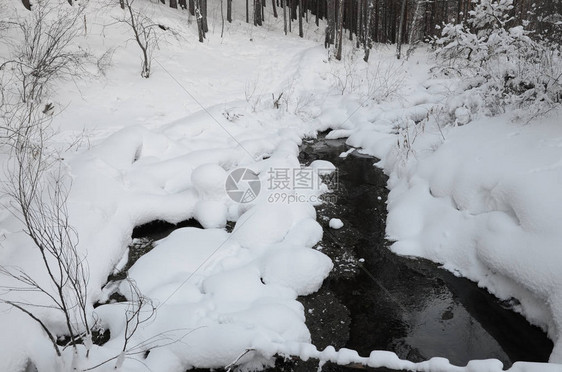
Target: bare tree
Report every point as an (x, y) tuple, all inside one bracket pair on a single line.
[(400, 30), (339, 32), (274, 7), (331, 23), (413, 38), (301, 14), (199, 17), (284, 16), (222, 18), (144, 33), (229, 11), (258, 13), (204, 23), (368, 40)]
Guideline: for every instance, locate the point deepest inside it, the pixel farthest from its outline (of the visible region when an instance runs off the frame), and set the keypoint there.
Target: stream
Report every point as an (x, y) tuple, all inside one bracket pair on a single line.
[(376, 300)]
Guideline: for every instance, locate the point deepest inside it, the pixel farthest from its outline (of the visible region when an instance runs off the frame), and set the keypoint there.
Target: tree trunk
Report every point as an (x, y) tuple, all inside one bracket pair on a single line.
[(339, 34), (174, 4), (349, 18), (317, 13), (412, 39), (199, 17), (368, 40), (359, 23), (222, 19), (331, 23), (257, 13), (400, 30), (192, 7), (301, 11), (182, 4), (204, 14), (274, 8), (247, 11), (376, 26), (294, 10), (229, 11), (284, 16)]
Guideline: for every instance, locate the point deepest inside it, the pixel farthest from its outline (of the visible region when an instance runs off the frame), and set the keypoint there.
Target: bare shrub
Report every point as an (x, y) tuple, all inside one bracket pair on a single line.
[(47, 50), (145, 33), (378, 81), (39, 189), (37, 183), (252, 94)]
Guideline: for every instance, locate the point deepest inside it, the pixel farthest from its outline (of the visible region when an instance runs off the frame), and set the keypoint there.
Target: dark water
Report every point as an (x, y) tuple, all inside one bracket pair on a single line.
[(375, 300)]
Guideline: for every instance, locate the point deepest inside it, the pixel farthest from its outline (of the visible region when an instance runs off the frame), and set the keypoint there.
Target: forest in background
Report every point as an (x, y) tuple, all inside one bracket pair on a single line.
[(375, 21)]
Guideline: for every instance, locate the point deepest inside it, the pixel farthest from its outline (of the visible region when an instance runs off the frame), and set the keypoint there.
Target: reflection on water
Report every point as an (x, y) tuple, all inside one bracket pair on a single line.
[(443, 321)]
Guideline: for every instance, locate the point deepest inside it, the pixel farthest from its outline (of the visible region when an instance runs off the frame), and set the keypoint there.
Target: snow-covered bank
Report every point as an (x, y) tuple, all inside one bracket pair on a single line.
[(207, 284), (162, 149)]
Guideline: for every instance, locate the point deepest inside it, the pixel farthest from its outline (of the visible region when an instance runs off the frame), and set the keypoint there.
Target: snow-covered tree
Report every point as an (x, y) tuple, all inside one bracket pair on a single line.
[(500, 62)]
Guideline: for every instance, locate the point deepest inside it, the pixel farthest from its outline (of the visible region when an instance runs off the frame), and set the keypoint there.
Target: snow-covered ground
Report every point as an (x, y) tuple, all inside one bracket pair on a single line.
[(481, 199)]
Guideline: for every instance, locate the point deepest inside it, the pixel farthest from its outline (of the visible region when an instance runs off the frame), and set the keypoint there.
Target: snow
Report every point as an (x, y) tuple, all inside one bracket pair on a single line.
[(209, 180), (335, 223), (481, 198), (150, 157)]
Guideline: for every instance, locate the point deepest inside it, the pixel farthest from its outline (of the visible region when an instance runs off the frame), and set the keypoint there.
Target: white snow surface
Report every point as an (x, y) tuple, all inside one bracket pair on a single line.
[(481, 199), (335, 223)]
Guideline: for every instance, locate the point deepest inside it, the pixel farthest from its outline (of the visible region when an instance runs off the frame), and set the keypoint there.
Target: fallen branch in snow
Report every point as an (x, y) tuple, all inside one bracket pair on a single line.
[(235, 363), (43, 326)]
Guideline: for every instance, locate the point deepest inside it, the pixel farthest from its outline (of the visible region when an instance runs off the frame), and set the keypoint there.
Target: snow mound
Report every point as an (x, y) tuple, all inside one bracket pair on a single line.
[(302, 270), (335, 223)]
